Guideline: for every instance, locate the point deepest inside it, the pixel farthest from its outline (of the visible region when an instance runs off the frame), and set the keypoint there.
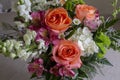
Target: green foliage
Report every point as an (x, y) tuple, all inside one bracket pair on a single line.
[(70, 4), (101, 38), (72, 30), (103, 42), (106, 24), (49, 76), (116, 9), (115, 39), (104, 61), (91, 65)]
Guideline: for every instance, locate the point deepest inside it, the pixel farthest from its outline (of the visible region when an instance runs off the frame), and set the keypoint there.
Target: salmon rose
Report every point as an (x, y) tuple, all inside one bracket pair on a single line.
[(67, 53), (85, 11), (57, 19)]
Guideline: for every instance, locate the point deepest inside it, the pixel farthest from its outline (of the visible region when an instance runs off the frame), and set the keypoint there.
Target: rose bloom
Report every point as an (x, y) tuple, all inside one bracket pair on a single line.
[(58, 20), (67, 53), (85, 12)]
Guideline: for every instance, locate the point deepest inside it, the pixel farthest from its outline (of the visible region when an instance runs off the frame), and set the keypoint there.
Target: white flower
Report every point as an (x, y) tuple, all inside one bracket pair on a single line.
[(4, 49), (27, 39), (23, 54), (10, 45), (76, 21), (34, 54), (28, 5), (17, 45), (39, 4), (42, 47), (25, 9), (19, 24), (80, 44), (13, 55), (29, 36), (84, 37)]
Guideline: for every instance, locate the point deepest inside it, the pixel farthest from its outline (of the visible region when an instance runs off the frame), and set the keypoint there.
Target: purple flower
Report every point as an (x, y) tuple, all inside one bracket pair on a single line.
[(36, 67), (38, 18), (60, 70), (43, 32), (93, 24)]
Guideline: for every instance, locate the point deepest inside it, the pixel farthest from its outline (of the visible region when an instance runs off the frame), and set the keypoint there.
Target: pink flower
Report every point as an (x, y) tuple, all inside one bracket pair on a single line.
[(36, 67), (93, 24), (43, 32), (85, 12), (38, 18), (60, 70)]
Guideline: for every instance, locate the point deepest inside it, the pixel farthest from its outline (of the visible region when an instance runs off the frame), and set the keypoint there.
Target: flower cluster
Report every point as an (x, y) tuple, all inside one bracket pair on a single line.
[(63, 38)]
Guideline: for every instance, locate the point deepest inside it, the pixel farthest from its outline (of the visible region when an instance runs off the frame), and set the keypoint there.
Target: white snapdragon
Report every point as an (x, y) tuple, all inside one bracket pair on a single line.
[(25, 9), (10, 44), (76, 21), (39, 4), (29, 36), (42, 47), (12, 55), (11, 47), (85, 41), (23, 54), (19, 24)]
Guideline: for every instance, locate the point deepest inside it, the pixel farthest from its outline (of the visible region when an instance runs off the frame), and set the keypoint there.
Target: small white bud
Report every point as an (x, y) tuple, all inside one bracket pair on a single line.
[(76, 21)]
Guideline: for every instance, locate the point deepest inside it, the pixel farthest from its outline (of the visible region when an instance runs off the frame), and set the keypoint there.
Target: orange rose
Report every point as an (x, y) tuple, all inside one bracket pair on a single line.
[(58, 19), (85, 11), (67, 53)]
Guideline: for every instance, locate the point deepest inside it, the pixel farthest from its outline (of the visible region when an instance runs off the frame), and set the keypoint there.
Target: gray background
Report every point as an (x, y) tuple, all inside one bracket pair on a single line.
[(17, 69)]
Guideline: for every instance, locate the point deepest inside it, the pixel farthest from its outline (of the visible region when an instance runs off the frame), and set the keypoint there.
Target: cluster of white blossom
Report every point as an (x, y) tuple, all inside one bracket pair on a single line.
[(15, 49), (39, 4), (29, 36), (20, 25), (42, 47), (84, 37), (44, 4), (24, 9)]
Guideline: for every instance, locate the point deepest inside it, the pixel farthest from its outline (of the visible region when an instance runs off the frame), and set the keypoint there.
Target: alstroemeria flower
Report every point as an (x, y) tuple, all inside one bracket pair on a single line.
[(36, 67), (60, 70), (41, 28)]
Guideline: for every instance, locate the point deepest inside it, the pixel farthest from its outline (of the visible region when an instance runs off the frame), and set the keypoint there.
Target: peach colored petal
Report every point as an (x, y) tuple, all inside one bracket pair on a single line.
[(85, 11), (67, 53), (58, 19)]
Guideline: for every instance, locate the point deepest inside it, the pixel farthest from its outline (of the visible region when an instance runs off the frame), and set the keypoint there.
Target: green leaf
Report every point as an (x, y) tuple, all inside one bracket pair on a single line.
[(105, 39), (115, 38), (104, 61), (109, 23), (103, 42), (82, 74), (106, 25), (33, 76), (71, 4)]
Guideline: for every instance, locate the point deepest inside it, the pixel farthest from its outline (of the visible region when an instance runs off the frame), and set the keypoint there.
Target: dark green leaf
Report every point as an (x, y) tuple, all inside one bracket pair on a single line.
[(33, 76), (104, 61)]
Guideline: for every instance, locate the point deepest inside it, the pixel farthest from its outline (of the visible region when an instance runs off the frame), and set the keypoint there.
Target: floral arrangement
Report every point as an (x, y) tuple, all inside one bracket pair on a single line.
[(61, 39)]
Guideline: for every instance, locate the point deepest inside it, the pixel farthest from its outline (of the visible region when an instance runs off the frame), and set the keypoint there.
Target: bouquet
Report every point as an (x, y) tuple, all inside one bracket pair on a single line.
[(61, 39)]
